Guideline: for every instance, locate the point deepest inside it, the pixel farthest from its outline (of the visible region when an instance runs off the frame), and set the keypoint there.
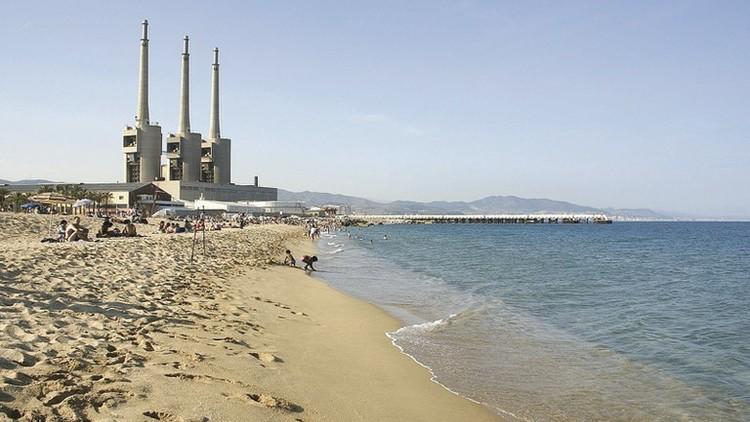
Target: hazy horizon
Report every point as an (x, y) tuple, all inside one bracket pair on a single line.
[(623, 104)]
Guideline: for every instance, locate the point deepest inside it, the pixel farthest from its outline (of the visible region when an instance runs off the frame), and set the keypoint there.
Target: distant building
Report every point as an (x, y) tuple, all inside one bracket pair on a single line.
[(273, 208), (194, 166), (122, 195)]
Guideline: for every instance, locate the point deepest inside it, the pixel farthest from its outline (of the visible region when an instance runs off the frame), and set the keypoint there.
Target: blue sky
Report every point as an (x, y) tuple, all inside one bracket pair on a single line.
[(624, 104)]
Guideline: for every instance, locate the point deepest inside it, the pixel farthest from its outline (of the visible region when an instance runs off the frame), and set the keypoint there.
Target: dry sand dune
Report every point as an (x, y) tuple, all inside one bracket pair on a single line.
[(128, 329)]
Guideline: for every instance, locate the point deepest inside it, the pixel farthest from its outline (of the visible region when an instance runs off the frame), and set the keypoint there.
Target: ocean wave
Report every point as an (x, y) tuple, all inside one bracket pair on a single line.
[(425, 326), (335, 251), (429, 326)]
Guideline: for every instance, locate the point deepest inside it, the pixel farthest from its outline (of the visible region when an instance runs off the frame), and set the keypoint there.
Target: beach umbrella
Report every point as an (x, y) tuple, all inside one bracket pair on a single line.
[(50, 198), (85, 202), (30, 205)]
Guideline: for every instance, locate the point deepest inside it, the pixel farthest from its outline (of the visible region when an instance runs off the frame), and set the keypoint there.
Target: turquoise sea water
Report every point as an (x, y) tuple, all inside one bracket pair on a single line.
[(630, 321)]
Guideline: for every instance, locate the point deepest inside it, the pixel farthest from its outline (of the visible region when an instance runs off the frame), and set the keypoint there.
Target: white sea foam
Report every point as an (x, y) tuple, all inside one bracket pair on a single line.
[(425, 326), (429, 326)]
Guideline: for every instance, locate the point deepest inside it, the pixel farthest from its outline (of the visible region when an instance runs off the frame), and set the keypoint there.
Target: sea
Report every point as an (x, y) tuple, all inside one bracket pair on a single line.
[(565, 322)]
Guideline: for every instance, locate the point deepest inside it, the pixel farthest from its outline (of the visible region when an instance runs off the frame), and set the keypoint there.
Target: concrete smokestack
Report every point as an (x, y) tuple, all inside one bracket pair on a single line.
[(183, 127), (141, 117), (213, 127)]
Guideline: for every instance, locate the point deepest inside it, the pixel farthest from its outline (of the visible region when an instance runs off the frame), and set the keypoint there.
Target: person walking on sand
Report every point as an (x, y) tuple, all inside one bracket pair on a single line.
[(309, 260)]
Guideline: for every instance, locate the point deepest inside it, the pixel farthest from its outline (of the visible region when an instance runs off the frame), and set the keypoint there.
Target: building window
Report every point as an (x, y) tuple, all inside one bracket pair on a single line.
[(207, 172), (132, 168), (175, 169), (128, 141)]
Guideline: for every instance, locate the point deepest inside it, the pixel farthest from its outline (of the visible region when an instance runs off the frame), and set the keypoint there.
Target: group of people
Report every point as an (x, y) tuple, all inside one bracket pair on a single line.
[(174, 227), (108, 229), (307, 260), (74, 231)]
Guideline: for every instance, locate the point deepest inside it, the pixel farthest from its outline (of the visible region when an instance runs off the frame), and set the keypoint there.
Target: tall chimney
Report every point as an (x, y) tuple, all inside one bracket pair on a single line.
[(183, 127), (213, 126), (141, 117)]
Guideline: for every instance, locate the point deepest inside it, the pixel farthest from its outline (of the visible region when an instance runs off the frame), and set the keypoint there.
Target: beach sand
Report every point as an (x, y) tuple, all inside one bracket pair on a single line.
[(128, 329)]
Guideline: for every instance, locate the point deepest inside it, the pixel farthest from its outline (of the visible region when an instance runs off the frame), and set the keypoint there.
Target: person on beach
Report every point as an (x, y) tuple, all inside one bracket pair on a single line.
[(104, 230), (289, 259), (61, 228), (309, 260), (75, 231), (129, 230)]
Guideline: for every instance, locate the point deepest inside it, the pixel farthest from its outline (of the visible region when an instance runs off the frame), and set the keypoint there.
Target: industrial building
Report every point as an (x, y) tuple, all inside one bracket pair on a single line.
[(194, 167)]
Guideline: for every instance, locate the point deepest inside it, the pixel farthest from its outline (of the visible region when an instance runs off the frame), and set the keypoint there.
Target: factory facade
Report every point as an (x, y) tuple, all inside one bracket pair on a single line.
[(195, 167)]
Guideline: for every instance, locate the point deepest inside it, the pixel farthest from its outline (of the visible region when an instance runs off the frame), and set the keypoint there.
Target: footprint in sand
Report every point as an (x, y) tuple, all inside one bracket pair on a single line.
[(266, 357), (16, 379), (19, 334), (275, 402), (13, 414), (5, 397), (163, 416)]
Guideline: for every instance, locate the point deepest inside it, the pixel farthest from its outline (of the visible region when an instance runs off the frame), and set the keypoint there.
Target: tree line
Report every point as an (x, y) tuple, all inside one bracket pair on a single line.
[(10, 199)]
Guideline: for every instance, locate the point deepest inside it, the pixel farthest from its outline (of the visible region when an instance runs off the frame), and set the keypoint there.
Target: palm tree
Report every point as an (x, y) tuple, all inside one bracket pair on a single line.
[(3, 193), (17, 199), (104, 197), (96, 197), (45, 188)]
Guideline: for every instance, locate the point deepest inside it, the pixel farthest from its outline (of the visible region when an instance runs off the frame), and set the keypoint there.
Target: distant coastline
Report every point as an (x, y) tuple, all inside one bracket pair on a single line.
[(491, 205)]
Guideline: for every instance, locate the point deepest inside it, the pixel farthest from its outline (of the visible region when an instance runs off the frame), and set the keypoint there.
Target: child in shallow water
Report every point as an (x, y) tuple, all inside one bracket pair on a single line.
[(309, 260)]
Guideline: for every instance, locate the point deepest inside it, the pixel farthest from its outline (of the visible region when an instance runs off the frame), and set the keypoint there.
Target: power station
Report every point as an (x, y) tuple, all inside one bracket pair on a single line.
[(194, 167)]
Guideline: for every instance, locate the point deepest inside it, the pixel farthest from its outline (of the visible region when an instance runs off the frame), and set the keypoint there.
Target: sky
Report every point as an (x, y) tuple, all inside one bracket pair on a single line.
[(630, 104)]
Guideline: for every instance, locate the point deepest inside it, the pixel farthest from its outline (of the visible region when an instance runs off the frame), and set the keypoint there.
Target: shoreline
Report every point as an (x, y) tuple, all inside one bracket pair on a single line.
[(128, 330), (400, 374)]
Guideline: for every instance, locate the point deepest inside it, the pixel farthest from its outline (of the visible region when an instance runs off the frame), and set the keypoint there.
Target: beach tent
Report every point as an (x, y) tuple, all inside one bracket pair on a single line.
[(50, 198)]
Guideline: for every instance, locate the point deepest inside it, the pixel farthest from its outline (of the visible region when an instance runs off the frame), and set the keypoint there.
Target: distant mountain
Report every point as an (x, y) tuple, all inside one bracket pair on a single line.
[(25, 182), (489, 205)]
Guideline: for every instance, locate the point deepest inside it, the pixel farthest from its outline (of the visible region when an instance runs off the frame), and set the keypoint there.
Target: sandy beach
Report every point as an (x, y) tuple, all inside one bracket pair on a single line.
[(128, 329)]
